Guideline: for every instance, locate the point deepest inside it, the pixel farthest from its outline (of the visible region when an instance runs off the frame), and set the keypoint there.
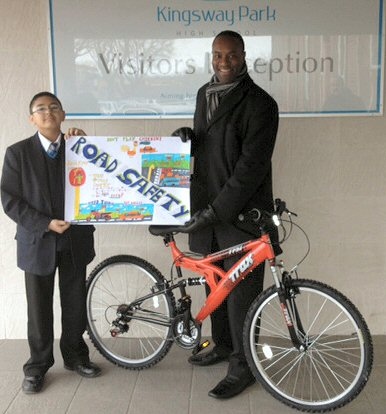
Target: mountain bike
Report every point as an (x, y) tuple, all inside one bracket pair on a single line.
[(305, 342)]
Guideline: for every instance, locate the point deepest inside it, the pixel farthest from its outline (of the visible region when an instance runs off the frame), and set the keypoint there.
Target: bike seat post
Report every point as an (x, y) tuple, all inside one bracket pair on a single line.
[(168, 237)]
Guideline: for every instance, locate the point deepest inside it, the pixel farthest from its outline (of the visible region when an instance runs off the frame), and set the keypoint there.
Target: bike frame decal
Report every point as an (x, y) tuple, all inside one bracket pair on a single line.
[(241, 268), (286, 315)]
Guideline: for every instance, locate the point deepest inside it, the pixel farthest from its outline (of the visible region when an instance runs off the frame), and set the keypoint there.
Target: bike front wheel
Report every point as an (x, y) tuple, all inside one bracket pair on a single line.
[(334, 363), (128, 321)]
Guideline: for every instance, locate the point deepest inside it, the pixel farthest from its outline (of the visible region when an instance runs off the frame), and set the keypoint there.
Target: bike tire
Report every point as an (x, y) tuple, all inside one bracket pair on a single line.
[(337, 361), (120, 280)]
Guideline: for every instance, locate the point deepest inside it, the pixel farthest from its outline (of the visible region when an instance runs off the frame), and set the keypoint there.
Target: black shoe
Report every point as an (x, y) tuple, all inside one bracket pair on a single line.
[(208, 358), (32, 384), (231, 386), (85, 369)]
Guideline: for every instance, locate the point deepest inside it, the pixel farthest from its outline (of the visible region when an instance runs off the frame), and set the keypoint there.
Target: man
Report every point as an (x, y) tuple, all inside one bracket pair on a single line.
[(235, 126), (32, 194)]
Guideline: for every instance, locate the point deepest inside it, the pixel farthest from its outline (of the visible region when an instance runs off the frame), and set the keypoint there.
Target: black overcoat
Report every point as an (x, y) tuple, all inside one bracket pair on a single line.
[(232, 162)]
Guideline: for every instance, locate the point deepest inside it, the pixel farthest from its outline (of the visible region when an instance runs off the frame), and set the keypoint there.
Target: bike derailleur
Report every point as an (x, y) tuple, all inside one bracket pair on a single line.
[(121, 324)]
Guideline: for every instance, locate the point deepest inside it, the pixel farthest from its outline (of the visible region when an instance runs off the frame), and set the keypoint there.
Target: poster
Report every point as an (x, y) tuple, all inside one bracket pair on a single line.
[(131, 180)]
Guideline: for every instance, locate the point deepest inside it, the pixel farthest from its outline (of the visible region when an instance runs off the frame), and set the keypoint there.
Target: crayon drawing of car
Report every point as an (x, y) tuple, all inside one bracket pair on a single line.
[(170, 182), (147, 149), (97, 215), (132, 216)]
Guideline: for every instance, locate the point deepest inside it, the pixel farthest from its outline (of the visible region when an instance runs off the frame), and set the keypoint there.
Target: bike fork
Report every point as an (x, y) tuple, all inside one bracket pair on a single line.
[(284, 294)]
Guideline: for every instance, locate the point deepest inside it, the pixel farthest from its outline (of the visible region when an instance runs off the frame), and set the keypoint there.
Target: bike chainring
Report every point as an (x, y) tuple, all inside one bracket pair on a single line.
[(187, 338)]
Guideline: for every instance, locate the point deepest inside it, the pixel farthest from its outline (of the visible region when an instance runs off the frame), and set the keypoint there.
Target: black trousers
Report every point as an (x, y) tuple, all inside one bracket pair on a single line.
[(228, 319), (40, 292)]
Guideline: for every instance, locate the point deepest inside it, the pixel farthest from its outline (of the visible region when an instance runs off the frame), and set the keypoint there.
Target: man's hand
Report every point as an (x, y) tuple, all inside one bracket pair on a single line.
[(74, 132), (185, 133), (58, 226), (201, 219)]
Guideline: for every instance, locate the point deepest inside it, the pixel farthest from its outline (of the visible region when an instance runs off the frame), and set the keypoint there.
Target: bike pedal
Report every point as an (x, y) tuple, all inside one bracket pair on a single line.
[(200, 347)]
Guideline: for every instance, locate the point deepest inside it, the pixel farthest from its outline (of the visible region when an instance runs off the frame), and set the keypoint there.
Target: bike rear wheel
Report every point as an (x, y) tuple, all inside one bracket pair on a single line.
[(130, 333), (337, 358)]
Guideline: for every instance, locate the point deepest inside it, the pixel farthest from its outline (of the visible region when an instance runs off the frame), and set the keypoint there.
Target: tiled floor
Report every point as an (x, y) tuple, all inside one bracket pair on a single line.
[(172, 386)]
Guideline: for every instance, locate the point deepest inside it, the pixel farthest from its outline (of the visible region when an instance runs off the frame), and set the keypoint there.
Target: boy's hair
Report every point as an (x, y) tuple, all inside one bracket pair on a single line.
[(233, 35), (39, 95)]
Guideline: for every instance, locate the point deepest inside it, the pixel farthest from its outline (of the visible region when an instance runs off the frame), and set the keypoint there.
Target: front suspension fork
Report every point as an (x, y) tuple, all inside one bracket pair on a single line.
[(286, 294)]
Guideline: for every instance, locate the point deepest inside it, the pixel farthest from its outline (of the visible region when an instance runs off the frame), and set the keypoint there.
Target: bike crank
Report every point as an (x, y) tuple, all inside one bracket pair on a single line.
[(187, 337)]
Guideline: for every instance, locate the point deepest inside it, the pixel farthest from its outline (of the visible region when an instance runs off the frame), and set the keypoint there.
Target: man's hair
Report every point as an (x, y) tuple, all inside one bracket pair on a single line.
[(39, 95), (233, 35)]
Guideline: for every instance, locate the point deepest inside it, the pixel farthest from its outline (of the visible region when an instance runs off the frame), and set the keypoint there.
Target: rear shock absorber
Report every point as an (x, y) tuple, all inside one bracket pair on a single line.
[(195, 281)]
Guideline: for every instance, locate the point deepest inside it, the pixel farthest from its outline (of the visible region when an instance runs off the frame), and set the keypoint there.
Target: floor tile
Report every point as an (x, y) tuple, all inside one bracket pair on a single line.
[(173, 386)]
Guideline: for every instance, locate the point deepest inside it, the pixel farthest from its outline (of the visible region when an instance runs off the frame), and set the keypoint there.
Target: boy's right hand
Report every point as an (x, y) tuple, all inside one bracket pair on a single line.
[(58, 226)]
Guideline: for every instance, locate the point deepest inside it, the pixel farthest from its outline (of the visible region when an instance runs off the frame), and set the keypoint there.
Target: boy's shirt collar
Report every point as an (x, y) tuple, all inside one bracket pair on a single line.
[(46, 142)]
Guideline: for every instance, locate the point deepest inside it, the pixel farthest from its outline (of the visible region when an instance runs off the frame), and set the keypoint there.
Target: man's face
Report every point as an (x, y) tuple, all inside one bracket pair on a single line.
[(228, 58), (47, 114)]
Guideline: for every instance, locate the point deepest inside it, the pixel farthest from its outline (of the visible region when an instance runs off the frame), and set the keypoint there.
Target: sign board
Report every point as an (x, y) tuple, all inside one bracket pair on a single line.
[(147, 59)]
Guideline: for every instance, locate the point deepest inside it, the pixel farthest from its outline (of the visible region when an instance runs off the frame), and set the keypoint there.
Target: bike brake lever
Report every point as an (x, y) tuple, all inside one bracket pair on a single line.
[(281, 208)]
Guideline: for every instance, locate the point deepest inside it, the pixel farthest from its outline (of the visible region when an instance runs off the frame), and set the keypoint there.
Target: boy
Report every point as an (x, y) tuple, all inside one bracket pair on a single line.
[(32, 195)]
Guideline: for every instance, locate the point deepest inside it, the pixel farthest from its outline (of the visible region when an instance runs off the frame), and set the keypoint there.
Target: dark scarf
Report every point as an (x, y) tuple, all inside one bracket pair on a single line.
[(215, 91)]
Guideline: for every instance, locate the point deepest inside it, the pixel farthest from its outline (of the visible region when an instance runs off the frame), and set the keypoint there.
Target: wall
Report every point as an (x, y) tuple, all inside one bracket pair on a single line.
[(331, 171)]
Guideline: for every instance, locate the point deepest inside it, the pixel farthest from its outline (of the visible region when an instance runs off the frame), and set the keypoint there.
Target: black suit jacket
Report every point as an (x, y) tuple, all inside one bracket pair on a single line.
[(232, 162), (26, 200)]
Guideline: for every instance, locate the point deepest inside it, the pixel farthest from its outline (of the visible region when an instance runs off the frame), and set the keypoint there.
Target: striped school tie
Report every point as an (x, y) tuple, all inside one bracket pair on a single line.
[(52, 151)]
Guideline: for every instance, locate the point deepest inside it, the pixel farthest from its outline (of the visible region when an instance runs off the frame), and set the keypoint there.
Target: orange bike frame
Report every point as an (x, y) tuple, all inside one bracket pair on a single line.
[(221, 282)]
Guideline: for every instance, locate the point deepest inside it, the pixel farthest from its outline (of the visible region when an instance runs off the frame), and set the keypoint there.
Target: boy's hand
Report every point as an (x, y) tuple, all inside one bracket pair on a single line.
[(58, 226), (74, 132)]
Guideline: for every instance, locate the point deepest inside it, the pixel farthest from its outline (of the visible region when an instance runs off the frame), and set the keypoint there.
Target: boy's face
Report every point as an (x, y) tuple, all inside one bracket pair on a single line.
[(47, 115)]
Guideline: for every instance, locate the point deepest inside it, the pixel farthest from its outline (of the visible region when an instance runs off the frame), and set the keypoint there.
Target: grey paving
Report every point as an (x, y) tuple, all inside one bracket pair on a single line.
[(172, 386)]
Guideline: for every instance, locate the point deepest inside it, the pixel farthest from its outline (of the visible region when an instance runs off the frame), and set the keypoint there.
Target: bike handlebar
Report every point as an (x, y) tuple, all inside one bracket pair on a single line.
[(257, 215), (260, 217)]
